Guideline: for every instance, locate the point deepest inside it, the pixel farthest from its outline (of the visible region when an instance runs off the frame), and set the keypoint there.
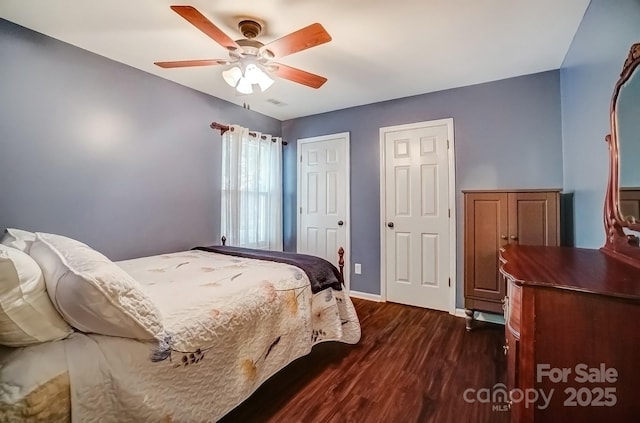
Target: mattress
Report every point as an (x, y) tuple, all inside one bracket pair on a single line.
[(34, 384)]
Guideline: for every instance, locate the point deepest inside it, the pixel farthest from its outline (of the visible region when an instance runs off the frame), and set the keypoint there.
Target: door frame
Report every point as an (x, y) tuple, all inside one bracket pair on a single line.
[(452, 205), (347, 247)]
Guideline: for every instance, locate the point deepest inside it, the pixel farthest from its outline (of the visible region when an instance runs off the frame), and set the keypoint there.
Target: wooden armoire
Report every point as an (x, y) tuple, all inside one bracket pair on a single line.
[(492, 220)]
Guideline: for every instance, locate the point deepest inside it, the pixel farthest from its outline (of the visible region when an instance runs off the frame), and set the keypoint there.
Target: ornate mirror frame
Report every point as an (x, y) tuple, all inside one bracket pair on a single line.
[(619, 244)]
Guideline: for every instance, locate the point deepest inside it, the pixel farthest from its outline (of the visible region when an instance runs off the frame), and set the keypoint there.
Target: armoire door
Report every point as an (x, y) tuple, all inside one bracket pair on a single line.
[(486, 230), (533, 218)]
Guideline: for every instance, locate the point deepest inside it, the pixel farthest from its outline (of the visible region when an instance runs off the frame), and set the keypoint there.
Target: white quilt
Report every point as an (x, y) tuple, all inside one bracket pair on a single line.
[(234, 323), (34, 384)]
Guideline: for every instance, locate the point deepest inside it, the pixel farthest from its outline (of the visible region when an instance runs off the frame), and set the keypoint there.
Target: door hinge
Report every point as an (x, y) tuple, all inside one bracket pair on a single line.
[(449, 282), (449, 213), (447, 144), (300, 210), (300, 159)]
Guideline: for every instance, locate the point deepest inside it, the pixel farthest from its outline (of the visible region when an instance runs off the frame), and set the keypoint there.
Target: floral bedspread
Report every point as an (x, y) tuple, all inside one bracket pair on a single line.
[(234, 323)]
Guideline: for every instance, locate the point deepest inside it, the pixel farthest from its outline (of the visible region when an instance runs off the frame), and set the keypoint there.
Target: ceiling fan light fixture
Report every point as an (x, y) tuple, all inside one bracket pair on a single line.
[(253, 73), (265, 82), (243, 81), (232, 76), (244, 86)]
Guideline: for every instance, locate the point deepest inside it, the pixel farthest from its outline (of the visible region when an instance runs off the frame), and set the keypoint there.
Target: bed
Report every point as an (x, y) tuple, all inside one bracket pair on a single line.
[(235, 319)]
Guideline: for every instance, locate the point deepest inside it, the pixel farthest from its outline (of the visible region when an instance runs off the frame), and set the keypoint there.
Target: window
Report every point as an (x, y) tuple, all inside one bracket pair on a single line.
[(251, 189)]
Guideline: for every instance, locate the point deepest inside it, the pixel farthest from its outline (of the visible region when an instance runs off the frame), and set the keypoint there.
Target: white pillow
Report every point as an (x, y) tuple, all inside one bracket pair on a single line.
[(26, 313), (17, 238), (92, 293)]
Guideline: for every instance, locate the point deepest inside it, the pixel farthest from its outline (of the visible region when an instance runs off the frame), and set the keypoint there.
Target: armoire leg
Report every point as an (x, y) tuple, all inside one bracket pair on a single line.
[(469, 318)]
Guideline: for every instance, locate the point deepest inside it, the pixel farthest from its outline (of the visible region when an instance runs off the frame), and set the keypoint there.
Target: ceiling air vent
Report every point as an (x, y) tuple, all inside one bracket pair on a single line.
[(276, 102)]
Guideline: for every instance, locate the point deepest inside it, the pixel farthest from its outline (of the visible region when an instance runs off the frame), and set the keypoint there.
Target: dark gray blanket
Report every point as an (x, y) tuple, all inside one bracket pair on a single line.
[(321, 273)]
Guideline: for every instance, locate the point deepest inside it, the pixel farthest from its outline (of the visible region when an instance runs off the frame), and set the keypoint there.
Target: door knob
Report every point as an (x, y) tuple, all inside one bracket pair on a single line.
[(390, 224), (503, 237), (513, 237), (340, 223)]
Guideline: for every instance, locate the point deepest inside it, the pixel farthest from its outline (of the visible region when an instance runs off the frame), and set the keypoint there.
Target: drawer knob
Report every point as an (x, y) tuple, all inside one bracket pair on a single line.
[(503, 237), (505, 348), (514, 237)]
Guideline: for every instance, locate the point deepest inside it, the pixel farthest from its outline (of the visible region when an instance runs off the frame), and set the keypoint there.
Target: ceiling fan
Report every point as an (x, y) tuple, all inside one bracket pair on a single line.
[(253, 60)]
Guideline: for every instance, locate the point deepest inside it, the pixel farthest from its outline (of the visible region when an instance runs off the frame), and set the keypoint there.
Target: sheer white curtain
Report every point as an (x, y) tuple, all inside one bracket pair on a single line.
[(251, 189)]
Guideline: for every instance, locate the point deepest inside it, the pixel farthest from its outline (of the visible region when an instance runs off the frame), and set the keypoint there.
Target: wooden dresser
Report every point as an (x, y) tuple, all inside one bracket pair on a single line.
[(572, 310)]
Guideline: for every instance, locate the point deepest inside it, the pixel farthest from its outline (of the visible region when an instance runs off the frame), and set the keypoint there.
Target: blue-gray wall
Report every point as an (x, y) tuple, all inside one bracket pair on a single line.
[(102, 152), (589, 72), (507, 135)]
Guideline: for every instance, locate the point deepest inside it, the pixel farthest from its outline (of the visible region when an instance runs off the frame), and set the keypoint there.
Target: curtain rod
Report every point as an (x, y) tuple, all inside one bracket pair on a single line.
[(225, 128)]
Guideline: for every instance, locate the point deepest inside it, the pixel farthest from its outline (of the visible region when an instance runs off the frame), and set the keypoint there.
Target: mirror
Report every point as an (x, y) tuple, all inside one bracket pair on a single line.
[(622, 203), (628, 137)]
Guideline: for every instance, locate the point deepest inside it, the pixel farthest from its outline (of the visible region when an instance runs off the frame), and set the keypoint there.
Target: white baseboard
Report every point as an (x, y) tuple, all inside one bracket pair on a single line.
[(365, 296), (483, 317), (480, 316)]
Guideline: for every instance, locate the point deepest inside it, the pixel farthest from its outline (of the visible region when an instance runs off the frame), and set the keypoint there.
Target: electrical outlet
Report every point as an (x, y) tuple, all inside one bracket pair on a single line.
[(358, 268)]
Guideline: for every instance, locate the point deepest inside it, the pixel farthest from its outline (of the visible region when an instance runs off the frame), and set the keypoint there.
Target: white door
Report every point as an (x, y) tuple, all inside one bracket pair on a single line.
[(416, 237), (323, 197)]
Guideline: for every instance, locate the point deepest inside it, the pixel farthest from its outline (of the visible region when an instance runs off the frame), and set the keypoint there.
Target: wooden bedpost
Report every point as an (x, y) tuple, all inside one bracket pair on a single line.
[(224, 240), (341, 262)]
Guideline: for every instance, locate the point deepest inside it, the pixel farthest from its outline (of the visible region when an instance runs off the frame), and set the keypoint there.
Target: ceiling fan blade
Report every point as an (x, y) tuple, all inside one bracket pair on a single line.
[(198, 20), (190, 63), (300, 76), (302, 39)]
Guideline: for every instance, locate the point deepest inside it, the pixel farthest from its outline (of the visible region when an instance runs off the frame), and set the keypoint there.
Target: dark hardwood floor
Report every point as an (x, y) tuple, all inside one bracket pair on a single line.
[(411, 365)]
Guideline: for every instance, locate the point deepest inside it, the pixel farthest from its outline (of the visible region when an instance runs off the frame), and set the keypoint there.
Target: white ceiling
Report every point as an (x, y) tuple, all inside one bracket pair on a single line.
[(380, 50)]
